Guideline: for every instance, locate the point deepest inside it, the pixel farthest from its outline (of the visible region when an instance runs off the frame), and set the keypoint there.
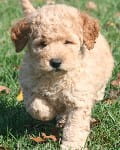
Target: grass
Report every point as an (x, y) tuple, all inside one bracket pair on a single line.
[(15, 124)]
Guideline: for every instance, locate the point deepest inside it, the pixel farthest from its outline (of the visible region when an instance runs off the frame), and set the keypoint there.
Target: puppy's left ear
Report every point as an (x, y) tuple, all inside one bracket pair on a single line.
[(90, 30), (20, 34)]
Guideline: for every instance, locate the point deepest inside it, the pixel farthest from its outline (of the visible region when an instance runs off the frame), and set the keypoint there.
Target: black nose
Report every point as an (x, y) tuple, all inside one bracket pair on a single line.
[(55, 63)]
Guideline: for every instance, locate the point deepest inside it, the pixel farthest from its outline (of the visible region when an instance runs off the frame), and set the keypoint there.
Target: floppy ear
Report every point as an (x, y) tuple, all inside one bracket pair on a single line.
[(20, 33), (90, 30)]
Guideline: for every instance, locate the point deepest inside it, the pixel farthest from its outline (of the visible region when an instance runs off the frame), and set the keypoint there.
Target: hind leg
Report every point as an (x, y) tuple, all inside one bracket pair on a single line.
[(100, 94)]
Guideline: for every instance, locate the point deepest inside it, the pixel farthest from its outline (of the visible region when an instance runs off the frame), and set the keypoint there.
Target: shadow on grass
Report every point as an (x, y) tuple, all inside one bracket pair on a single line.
[(15, 119)]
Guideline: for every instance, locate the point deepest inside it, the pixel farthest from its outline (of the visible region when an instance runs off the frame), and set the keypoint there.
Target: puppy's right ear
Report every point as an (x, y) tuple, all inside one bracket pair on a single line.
[(90, 30), (20, 34)]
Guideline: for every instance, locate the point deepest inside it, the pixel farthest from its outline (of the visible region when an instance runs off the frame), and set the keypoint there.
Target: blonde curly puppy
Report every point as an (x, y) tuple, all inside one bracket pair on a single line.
[(65, 69)]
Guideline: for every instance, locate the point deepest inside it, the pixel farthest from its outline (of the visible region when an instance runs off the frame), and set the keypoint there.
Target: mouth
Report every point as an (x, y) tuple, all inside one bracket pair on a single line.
[(59, 71)]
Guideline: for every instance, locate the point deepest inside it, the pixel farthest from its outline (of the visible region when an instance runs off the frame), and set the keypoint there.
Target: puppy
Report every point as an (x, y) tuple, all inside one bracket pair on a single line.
[(65, 69)]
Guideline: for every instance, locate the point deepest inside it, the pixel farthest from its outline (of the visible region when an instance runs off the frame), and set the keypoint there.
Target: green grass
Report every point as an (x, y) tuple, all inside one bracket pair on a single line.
[(15, 124)]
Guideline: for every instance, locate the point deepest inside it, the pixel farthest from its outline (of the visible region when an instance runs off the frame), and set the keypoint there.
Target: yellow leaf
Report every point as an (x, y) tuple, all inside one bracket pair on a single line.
[(20, 96)]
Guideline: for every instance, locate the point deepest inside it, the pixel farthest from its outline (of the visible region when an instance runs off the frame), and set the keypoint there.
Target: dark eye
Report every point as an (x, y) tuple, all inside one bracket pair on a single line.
[(68, 42), (42, 44)]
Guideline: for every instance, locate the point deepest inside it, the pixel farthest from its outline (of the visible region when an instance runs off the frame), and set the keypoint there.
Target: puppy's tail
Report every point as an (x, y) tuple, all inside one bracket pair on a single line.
[(27, 7)]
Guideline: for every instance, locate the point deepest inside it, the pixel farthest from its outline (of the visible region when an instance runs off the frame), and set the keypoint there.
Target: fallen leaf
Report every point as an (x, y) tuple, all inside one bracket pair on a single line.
[(51, 137), (117, 14), (109, 101), (4, 88), (20, 96), (117, 81), (111, 24), (17, 67), (94, 122), (114, 93), (91, 5), (37, 139), (4, 148)]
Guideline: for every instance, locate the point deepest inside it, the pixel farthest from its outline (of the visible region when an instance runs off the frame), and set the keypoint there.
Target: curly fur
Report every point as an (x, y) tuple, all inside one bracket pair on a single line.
[(60, 31)]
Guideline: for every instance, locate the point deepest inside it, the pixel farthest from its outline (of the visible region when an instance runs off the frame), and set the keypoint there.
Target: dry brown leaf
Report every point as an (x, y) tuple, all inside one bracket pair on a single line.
[(91, 5), (17, 68), (114, 94), (117, 81), (51, 137), (4, 148), (4, 88), (110, 101), (94, 122), (44, 138), (117, 14), (37, 139), (111, 24)]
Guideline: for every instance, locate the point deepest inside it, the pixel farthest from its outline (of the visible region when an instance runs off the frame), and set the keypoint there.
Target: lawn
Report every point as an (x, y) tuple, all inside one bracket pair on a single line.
[(16, 126)]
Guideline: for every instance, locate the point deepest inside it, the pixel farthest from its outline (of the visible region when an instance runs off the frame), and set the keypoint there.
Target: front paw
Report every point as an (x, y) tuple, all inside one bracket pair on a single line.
[(71, 146)]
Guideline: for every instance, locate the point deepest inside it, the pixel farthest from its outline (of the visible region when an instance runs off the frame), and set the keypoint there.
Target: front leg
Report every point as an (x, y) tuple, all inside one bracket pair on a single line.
[(39, 108), (77, 129)]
